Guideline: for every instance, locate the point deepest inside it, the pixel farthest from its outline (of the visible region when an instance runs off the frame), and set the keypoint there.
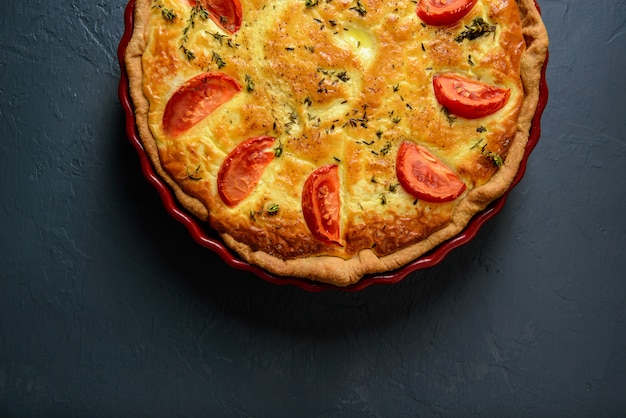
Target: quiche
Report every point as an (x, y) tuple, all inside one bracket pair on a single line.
[(331, 139)]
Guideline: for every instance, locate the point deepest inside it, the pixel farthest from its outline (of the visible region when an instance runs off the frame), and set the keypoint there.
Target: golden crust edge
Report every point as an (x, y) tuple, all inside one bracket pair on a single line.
[(132, 60), (335, 270)]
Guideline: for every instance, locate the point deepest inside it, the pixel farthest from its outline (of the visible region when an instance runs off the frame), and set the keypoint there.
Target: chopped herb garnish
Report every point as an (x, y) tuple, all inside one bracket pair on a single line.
[(451, 118), (379, 133), (189, 54), (311, 3), (293, 119), (359, 8), (218, 60), (393, 187), (218, 36), (481, 129), (278, 151), (168, 14), (469, 60), (343, 76), (198, 11), (386, 148), (249, 84), (194, 175), (272, 209), (493, 156), (476, 29), (191, 22), (478, 143), (308, 101)]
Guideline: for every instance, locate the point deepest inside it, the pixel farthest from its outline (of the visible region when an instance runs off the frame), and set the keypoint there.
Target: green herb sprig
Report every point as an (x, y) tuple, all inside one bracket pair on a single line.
[(476, 29), (359, 8)]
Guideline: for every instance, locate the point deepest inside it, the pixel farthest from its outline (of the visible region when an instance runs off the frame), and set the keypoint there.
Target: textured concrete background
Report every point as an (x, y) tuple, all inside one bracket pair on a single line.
[(109, 308)]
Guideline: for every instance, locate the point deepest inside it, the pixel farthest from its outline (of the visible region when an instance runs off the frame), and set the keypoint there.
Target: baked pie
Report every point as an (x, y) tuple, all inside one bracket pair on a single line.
[(330, 139)]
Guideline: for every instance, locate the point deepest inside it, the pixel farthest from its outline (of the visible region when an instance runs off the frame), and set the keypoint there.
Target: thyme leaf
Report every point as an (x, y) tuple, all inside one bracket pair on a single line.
[(194, 175), (272, 209), (191, 23), (359, 8), (218, 36), (451, 118), (343, 76), (476, 29), (189, 54), (217, 59), (249, 84), (494, 157), (168, 14), (278, 151)]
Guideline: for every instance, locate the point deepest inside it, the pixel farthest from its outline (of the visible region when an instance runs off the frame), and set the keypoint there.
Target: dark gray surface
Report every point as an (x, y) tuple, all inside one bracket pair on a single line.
[(109, 308)]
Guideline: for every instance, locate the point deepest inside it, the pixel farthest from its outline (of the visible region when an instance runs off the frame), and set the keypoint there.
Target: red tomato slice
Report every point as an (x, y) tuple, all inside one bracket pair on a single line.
[(422, 175), (225, 13), (196, 99), (320, 204), (241, 170), (469, 98), (443, 12)]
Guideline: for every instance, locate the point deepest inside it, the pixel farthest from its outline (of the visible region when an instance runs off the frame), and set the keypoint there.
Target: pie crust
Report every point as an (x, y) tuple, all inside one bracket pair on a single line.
[(339, 82)]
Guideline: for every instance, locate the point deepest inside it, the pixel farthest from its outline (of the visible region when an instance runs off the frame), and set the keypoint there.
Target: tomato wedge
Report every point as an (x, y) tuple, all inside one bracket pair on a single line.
[(422, 175), (443, 12), (196, 99), (227, 14), (468, 98), (241, 170), (320, 204)]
